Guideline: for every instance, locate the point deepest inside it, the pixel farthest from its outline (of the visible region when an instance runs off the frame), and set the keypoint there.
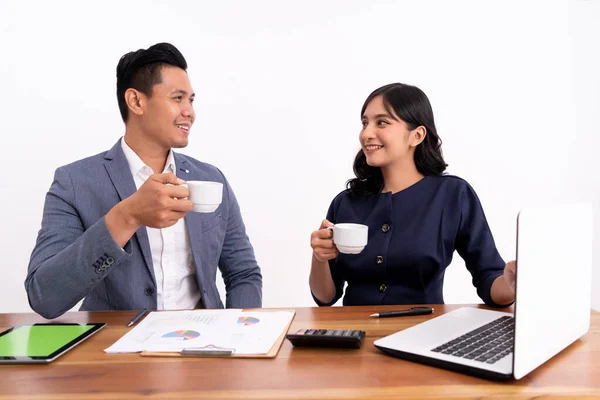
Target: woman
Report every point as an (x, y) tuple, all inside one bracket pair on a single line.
[(416, 215)]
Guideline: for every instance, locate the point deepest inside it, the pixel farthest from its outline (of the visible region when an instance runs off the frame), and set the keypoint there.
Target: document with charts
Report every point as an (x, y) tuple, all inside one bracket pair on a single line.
[(253, 332)]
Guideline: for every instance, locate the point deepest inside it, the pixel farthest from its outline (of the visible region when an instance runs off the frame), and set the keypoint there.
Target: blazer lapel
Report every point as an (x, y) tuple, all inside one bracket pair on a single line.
[(192, 219), (118, 170)]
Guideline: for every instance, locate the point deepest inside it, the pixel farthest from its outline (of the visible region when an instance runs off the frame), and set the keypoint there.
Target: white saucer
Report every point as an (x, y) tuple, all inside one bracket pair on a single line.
[(350, 249), (205, 208)]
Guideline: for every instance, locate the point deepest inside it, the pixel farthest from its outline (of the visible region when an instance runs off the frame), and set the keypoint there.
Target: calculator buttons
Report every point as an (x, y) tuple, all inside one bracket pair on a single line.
[(346, 338)]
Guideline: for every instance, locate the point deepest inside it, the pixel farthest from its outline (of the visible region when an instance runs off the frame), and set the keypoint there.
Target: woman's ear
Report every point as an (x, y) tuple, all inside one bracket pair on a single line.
[(136, 101), (418, 135)]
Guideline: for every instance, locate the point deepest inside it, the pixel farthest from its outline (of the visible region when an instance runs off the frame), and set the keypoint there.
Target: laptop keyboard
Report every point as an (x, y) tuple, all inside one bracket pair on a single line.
[(488, 344)]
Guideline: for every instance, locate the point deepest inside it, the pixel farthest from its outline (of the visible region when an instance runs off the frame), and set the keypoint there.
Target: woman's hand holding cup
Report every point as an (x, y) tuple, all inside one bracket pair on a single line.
[(321, 242)]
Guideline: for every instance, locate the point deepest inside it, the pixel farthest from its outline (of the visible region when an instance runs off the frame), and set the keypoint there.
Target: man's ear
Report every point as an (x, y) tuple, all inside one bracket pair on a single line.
[(418, 135), (136, 101)]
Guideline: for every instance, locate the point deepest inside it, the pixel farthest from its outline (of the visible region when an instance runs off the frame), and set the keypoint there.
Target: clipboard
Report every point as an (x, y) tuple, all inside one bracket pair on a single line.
[(214, 351)]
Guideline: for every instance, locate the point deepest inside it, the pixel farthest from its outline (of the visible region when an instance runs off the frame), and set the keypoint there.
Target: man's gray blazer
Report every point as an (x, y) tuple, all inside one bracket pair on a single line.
[(76, 258)]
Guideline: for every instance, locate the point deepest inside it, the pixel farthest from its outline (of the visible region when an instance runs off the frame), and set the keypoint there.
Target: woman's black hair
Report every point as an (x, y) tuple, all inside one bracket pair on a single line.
[(410, 104)]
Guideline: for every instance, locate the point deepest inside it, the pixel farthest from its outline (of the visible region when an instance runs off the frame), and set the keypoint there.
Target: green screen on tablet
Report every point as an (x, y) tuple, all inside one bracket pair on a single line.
[(42, 342)]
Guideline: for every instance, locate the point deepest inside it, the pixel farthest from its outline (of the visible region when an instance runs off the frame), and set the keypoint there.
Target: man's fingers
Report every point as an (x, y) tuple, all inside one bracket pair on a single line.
[(168, 177), (181, 206), (172, 218), (177, 215), (178, 192)]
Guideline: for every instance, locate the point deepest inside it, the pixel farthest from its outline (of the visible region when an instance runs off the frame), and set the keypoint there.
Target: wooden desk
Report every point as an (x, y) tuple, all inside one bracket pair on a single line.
[(88, 373)]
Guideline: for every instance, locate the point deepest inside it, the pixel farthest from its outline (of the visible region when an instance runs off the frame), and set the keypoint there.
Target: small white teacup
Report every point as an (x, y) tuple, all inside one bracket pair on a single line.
[(205, 195), (350, 238)]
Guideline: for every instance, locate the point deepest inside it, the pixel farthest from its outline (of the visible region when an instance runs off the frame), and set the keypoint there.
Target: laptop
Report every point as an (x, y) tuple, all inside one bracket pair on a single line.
[(552, 308)]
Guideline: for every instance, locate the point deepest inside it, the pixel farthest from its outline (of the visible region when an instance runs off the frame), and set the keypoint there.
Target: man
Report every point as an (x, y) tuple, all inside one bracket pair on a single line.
[(117, 229)]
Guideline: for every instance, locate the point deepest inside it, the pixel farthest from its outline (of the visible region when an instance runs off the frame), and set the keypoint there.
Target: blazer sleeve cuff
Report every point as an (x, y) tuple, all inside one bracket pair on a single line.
[(105, 253)]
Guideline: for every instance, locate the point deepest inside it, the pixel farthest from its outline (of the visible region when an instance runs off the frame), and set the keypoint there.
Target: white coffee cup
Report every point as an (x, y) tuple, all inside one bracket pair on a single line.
[(205, 195), (350, 238)]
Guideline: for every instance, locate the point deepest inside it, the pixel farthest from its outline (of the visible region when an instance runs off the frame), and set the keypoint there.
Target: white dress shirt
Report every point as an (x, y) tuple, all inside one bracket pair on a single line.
[(176, 286)]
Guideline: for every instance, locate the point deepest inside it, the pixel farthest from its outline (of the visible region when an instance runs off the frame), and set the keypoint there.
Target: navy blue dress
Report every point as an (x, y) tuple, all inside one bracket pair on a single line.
[(412, 237)]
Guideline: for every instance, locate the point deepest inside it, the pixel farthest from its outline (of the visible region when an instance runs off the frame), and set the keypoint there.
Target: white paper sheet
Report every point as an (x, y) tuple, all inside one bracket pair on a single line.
[(173, 331)]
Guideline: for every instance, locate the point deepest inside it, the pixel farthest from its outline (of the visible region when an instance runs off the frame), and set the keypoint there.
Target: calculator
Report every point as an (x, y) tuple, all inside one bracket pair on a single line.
[(327, 338)]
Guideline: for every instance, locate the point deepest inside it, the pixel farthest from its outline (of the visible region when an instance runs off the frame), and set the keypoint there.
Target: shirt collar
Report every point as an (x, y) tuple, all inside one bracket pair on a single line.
[(136, 165)]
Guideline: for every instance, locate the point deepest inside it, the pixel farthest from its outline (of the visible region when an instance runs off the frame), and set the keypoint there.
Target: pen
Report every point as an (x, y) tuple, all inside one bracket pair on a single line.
[(137, 317), (404, 313)]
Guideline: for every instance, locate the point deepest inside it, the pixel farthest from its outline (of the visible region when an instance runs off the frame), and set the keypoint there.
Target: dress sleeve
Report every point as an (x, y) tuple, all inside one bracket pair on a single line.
[(337, 279), (475, 244)]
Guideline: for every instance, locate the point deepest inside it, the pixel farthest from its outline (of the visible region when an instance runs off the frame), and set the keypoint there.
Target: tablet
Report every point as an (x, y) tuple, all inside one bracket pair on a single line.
[(42, 343)]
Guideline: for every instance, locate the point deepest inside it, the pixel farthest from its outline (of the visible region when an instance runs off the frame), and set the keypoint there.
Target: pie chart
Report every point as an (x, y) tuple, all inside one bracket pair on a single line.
[(182, 335), (248, 321)]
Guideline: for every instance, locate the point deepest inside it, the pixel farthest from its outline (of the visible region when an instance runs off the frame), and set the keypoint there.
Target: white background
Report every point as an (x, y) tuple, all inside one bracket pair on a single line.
[(514, 87)]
